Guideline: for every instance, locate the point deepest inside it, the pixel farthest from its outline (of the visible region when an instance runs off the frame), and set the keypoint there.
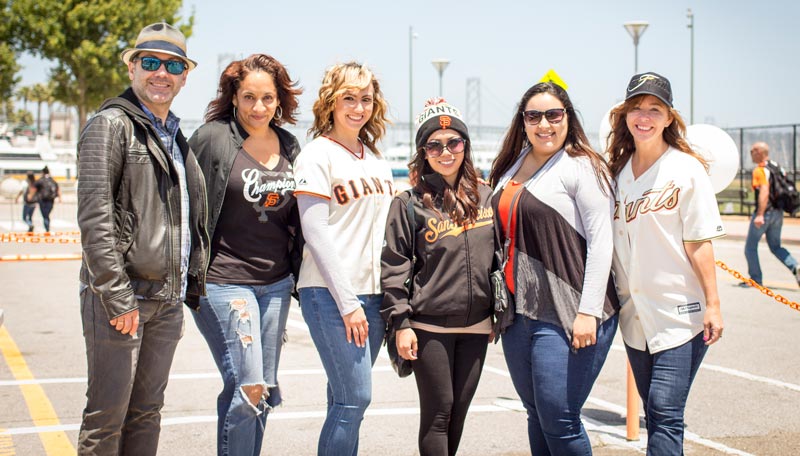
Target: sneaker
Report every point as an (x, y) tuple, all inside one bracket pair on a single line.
[(744, 285), (797, 274)]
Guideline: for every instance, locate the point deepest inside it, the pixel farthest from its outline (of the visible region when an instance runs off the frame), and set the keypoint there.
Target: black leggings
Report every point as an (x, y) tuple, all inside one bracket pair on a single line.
[(447, 370)]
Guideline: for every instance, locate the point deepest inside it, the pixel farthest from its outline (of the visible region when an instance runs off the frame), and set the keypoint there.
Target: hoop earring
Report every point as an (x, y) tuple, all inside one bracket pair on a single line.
[(235, 116), (278, 113)]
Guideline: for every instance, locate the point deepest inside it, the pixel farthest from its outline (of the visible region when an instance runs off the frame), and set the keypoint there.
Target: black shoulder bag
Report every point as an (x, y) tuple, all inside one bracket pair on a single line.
[(504, 308), (401, 365)]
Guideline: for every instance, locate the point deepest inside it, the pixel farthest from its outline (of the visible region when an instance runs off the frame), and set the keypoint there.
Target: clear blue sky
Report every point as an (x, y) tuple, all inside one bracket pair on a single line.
[(745, 73)]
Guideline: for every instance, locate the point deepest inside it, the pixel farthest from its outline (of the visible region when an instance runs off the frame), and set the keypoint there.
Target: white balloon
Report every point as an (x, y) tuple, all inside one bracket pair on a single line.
[(10, 187), (605, 130), (719, 149)]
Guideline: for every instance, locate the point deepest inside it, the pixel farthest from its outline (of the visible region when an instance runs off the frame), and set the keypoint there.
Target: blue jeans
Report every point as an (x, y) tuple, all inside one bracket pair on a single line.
[(45, 207), (348, 367), (773, 223), (127, 377), (553, 382), (27, 215), (663, 380), (244, 327)]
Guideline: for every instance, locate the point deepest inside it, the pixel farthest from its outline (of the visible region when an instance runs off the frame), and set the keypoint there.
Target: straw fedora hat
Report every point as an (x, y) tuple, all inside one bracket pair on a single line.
[(159, 37)]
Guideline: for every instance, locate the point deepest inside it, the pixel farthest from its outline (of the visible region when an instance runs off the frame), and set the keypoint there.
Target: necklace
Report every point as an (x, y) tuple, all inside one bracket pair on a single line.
[(359, 155)]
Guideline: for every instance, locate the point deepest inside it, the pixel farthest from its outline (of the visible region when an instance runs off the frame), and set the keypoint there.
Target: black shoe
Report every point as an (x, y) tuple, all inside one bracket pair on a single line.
[(744, 285), (797, 274), (30, 230)]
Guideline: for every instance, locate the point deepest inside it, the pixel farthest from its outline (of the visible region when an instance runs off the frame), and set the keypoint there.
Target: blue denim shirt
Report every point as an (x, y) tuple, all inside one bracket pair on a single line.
[(168, 132)]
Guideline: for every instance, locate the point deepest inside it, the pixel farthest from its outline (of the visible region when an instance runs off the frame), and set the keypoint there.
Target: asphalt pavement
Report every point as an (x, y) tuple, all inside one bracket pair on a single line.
[(744, 400)]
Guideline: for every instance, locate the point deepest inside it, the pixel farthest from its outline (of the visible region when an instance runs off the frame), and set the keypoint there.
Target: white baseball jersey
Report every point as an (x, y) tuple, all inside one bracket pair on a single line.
[(359, 191), (671, 203)]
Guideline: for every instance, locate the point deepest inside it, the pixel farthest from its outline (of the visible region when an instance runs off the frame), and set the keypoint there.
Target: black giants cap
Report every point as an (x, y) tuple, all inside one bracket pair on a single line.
[(650, 84)]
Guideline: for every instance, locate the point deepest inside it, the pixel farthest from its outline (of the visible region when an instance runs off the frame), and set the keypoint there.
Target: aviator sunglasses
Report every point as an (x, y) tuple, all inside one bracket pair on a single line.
[(553, 116), (175, 67), (434, 149)]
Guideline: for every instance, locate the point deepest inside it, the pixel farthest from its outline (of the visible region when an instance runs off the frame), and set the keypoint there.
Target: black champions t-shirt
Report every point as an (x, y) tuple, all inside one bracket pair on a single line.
[(252, 238)]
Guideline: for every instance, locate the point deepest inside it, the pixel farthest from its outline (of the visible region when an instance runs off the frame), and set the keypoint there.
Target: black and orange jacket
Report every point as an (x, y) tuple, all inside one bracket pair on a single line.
[(451, 276)]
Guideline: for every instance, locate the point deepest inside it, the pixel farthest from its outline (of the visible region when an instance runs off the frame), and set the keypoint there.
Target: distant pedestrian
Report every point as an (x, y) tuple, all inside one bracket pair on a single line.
[(766, 219), (47, 190), (142, 217), (665, 218), (29, 199)]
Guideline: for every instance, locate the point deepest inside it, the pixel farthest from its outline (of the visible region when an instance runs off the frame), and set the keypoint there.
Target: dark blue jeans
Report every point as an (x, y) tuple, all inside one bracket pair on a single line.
[(348, 367), (663, 380), (773, 223), (45, 207), (27, 215), (553, 382)]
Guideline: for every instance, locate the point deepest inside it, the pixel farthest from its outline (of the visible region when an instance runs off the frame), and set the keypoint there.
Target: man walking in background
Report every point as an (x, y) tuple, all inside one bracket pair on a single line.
[(141, 211), (47, 190), (767, 219)]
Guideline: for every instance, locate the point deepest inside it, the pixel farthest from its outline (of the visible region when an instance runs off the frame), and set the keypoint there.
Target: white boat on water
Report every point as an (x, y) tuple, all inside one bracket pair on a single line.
[(20, 155)]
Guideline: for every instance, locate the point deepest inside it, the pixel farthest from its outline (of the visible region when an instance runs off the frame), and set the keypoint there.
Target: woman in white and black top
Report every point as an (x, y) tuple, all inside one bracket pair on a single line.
[(555, 190)]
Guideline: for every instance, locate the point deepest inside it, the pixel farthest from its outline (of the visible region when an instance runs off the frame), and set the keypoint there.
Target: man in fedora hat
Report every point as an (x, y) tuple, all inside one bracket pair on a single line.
[(141, 211)]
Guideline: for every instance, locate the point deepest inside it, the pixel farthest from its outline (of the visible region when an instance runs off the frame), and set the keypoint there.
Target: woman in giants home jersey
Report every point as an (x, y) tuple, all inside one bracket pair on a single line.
[(343, 192), (254, 228), (553, 192), (445, 325), (665, 217)]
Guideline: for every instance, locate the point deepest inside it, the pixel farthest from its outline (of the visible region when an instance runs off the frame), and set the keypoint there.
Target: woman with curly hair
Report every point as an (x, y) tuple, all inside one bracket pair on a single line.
[(343, 192)]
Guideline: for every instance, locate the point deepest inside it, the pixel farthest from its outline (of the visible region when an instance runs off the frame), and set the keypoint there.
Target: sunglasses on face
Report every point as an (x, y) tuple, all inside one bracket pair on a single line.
[(175, 67), (553, 116), (434, 149)]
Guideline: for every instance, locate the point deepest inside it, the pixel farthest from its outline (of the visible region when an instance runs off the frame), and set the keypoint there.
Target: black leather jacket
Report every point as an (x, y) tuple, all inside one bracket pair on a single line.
[(129, 211)]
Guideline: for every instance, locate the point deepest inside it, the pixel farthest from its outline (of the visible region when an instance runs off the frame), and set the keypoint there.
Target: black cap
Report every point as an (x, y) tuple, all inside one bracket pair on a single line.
[(650, 84)]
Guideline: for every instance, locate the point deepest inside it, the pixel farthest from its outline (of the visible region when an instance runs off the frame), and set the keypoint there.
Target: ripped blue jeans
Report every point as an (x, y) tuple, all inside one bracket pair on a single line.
[(244, 327)]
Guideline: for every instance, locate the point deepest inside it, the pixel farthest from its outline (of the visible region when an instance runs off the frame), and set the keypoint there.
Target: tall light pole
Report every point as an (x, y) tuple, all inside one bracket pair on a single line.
[(635, 30), (411, 36), (690, 25), (440, 65)]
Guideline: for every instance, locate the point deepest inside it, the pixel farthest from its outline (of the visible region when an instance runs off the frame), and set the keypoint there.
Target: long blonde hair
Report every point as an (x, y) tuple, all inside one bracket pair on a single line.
[(337, 81)]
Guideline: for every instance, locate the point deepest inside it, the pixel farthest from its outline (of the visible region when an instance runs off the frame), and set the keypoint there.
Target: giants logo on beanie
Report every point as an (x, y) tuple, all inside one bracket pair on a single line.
[(439, 115)]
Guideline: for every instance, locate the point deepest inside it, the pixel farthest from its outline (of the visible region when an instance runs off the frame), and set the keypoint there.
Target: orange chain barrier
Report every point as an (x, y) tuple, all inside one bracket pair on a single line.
[(59, 237), (738, 275)]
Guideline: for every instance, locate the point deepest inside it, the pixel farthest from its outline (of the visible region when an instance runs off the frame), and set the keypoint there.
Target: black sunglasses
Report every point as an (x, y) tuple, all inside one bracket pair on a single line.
[(434, 149), (154, 63), (553, 116)]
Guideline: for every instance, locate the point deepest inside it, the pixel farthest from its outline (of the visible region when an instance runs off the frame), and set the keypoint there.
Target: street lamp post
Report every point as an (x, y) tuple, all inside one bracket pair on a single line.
[(635, 30), (440, 65), (690, 25)]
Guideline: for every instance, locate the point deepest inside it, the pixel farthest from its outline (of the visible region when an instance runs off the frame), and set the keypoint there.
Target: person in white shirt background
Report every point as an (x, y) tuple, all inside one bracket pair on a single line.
[(665, 218)]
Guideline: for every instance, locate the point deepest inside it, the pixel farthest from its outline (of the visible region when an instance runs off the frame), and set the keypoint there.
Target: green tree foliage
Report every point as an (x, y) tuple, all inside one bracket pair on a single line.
[(8, 58), (84, 40), (40, 93)]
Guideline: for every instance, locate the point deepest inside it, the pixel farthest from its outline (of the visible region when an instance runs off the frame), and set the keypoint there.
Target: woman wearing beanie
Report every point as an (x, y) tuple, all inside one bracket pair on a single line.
[(443, 319), (666, 214), (553, 192), (343, 192)]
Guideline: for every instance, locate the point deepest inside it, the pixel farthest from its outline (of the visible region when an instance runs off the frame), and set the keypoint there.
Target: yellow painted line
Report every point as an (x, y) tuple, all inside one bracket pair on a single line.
[(6, 444), (39, 406)]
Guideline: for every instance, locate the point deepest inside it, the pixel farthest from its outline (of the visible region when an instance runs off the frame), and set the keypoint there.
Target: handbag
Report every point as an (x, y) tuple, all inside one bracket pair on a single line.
[(401, 365), (504, 308)]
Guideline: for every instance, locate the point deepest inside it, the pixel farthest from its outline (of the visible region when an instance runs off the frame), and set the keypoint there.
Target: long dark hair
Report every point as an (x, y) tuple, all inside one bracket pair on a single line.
[(575, 145), (459, 202), (621, 146), (221, 107)]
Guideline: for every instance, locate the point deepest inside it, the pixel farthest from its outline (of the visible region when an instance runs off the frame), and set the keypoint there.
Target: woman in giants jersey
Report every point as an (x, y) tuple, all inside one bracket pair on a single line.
[(343, 192), (665, 217), (553, 193), (256, 243), (444, 326)]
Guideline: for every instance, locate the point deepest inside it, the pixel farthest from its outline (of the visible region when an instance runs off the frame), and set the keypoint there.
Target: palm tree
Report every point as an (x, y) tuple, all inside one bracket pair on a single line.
[(40, 93), (24, 94)]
